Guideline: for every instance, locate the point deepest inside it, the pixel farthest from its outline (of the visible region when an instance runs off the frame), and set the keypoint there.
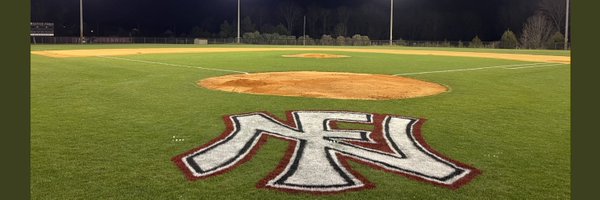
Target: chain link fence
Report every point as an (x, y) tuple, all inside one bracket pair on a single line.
[(110, 40), (278, 41)]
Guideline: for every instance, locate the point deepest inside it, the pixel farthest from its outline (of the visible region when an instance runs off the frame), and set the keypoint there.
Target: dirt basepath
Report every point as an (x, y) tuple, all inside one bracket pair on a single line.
[(122, 52), (333, 85)]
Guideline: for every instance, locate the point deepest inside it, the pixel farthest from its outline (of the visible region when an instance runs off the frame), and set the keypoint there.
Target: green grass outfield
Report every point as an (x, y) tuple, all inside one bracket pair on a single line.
[(103, 128)]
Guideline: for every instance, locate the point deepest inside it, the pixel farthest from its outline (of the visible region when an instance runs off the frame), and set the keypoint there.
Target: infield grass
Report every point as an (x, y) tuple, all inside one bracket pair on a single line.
[(105, 129)]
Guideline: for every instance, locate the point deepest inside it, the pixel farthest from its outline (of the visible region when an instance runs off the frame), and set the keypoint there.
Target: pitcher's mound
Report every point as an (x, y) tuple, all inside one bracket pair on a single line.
[(315, 55), (332, 85)]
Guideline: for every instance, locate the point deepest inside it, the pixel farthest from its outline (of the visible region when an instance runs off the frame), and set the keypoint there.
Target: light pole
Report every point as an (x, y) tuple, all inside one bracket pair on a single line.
[(81, 21), (391, 21), (567, 27), (304, 32), (238, 23)]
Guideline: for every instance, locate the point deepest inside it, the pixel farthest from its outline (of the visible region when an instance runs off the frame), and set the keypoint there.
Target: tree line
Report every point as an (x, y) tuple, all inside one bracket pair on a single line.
[(545, 29), (534, 23)]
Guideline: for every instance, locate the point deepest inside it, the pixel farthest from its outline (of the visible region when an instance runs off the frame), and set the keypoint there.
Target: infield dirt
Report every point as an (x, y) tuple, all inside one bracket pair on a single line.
[(123, 52), (332, 85)]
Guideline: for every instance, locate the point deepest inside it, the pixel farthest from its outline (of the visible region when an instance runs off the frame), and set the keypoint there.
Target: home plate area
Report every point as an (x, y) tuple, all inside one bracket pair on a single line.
[(316, 160)]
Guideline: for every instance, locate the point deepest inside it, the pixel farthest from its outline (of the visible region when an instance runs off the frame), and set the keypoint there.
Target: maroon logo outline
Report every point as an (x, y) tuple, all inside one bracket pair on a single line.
[(378, 143)]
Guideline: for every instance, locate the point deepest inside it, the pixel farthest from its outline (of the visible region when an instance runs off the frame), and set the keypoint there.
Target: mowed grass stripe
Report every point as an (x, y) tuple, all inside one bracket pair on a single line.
[(511, 66), (104, 129), (174, 65)]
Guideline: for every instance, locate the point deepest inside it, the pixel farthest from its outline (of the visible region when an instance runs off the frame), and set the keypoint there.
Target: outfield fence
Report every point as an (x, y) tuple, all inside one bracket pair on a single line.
[(274, 41), (111, 40)]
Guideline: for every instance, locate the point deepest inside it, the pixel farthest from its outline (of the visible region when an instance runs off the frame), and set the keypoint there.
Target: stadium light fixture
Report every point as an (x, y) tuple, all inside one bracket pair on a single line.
[(391, 21)]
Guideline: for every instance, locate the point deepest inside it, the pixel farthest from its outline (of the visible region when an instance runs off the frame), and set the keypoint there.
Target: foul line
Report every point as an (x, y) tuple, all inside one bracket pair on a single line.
[(548, 65), (512, 66), (173, 65)]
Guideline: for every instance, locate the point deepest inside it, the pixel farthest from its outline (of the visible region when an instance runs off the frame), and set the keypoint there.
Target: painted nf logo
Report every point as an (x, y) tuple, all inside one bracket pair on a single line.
[(316, 158)]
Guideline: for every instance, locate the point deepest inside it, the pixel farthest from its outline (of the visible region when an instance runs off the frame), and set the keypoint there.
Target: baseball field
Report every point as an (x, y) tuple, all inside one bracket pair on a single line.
[(111, 121)]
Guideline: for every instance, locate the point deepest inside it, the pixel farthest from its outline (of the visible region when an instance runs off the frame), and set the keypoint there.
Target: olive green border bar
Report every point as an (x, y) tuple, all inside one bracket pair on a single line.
[(584, 132), (14, 84)]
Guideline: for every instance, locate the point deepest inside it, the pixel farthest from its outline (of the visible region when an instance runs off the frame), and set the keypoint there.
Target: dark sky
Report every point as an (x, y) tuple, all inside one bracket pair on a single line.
[(414, 19)]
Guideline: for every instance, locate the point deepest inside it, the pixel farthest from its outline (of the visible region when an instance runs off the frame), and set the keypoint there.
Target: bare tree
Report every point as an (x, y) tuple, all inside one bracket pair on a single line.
[(325, 15), (313, 14), (290, 11), (260, 14), (368, 26), (247, 25), (227, 30), (555, 11), (339, 29), (343, 14), (512, 14), (536, 31)]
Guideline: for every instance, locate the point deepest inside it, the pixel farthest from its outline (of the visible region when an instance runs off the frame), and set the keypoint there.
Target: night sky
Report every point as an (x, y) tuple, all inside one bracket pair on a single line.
[(414, 19)]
